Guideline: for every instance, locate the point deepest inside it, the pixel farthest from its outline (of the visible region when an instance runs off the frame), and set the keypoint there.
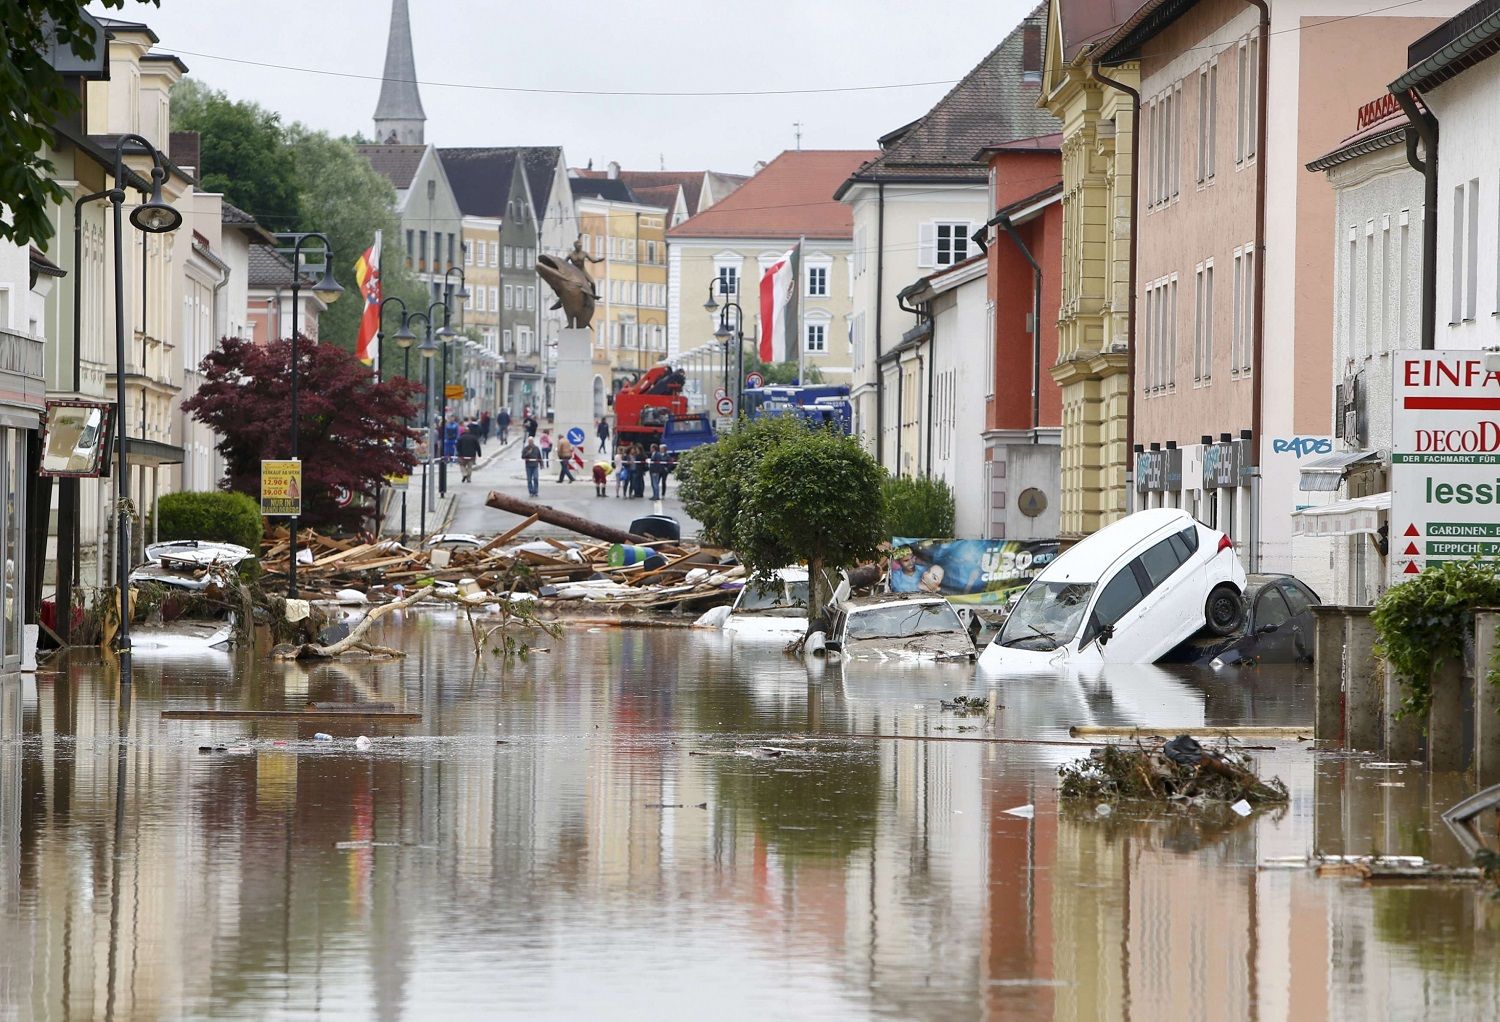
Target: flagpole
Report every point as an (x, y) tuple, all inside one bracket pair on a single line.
[(797, 279)]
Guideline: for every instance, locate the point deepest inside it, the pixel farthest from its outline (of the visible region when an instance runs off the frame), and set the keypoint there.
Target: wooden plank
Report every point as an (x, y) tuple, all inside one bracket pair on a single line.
[(342, 554), (1240, 731), (311, 716), (509, 534)]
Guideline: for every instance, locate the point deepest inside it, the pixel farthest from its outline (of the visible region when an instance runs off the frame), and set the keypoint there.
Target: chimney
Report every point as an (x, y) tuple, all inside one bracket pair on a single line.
[(760, 165), (614, 171), (1031, 52), (184, 148)]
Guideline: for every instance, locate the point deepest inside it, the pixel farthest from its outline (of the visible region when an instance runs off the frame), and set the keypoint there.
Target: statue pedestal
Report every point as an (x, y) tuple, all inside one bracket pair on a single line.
[(573, 394)]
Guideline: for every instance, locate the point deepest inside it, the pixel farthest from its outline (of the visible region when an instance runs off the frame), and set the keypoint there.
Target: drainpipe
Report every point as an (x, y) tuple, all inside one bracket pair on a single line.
[(1258, 338), (1426, 129), (1004, 223), (1135, 164), (879, 294)]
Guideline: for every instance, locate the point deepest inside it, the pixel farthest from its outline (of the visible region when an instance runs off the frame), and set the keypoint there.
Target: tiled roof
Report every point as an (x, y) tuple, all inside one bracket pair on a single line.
[(1040, 144), (792, 196), (268, 268), (994, 103), (480, 176), (1089, 21), (610, 189), (397, 163), (231, 214), (664, 196)]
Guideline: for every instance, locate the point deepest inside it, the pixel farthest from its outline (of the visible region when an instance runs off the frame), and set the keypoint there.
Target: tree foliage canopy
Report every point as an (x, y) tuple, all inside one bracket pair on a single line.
[(918, 507), (350, 426), (37, 97), (243, 151), (716, 477)]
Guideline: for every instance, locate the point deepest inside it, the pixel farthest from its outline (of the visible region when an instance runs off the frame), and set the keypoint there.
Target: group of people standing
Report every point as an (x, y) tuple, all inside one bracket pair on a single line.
[(636, 463)]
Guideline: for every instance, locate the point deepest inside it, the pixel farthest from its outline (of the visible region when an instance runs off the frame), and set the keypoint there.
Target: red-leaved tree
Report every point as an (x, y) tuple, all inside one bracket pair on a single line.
[(352, 428)]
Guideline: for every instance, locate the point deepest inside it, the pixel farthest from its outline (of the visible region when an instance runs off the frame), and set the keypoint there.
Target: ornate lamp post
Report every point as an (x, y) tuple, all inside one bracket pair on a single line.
[(724, 334), (445, 335), (151, 217), (328, 290), (404, 338)]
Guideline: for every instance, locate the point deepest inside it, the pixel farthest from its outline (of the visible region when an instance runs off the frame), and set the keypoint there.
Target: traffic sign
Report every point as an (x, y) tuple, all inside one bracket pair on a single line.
[(720, 393), (454, 391), (575, 436), (726, 406), (1445, 460), (281, 488), (754, 380)]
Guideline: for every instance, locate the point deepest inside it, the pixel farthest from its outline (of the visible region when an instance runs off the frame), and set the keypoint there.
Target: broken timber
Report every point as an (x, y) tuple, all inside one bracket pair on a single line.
[(311, 716), (562, 519), (1152, 731)]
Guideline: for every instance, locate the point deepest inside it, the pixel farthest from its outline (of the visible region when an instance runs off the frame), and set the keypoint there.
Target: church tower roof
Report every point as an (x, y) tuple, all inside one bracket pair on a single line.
[(398, 115)]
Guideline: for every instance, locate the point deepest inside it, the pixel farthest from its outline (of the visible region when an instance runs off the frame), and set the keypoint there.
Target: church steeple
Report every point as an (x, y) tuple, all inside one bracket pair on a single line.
[(398, 114)]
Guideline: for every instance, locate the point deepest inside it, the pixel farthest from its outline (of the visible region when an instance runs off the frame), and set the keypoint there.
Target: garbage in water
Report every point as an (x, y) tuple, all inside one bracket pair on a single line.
[(1024, 812), (362, 743), (964, 705), (1180, 771), (322, 736), (1242, 808)]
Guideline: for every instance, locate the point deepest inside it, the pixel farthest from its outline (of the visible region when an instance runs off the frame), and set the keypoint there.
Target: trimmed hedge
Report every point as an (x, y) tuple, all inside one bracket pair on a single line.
[(918, 507), (217, 515)]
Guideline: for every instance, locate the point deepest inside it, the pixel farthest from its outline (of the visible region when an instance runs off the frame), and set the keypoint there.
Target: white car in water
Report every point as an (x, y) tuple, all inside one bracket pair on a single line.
[(771, 608), (1126, 594), (902, 626)]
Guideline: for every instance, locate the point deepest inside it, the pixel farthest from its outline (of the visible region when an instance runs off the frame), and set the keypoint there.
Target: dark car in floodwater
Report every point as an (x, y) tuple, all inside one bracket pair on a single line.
[(1276, 627)]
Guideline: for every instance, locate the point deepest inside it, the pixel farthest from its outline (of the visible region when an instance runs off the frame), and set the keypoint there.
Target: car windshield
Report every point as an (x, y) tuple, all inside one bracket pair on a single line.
[(1047, 616), (903, 621), (772, 594)]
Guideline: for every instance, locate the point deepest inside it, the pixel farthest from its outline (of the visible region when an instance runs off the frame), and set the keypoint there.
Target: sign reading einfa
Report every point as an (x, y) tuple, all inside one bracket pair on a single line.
[(1445, 460)]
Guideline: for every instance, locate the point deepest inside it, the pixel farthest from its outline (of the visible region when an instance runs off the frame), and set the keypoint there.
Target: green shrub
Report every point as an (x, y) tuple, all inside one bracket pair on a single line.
[(917, 507), (1422, 622), (218, 516)]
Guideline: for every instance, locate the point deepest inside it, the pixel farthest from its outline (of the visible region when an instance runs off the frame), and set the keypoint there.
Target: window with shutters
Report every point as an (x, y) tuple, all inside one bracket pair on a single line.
[(943, 243)]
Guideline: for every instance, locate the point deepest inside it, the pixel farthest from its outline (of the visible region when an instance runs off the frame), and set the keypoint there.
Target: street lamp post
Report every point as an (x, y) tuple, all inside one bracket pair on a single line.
[(151, 217), (724, 335), (445, 334), (328, 290), (426, 349), (404, 338)]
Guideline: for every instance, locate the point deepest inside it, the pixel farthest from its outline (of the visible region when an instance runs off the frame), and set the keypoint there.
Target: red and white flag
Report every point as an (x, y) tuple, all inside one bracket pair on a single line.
[(367, 274), (778, 309)]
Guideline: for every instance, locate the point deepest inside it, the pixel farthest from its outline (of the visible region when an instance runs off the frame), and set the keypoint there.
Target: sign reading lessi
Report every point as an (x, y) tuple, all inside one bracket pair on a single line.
[(1445, 460)]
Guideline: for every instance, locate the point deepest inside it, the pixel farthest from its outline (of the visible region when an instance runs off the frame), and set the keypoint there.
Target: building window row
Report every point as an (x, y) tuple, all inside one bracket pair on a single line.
[(1208, 119), (1164, 123), (815, 338), (1242, 294), (943, 242), (1464, 282), (817, 281), (1159, 335), (1203, 322), (1247, 119)]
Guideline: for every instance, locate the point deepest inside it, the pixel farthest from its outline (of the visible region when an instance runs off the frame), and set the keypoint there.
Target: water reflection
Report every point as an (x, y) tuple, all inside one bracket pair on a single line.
[(585, 835)]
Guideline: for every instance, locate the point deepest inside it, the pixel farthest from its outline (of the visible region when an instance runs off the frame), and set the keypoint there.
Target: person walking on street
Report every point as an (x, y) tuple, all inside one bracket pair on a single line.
[(484, 424), (530, 423), (565, 460), (603, 431), (545, 443), (531, 456), (657, 465), (450, 438), (468, 448), (503, 420)]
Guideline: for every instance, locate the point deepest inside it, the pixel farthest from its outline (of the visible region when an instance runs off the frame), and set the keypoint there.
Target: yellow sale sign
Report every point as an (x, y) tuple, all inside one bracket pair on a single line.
[(281, 488)]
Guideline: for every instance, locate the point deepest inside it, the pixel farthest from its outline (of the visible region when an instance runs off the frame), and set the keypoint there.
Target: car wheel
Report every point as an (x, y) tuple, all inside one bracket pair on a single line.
[(1222, 611)]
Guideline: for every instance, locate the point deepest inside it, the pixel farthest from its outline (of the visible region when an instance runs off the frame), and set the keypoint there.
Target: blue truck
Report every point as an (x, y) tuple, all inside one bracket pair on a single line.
[(824, 404)]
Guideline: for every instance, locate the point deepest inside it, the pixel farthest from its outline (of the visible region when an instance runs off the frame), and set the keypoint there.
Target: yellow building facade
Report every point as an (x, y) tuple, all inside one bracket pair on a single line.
[(1094, 324), (630, 318)]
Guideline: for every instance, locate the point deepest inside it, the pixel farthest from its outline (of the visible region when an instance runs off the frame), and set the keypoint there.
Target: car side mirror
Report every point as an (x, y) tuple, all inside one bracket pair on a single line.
[(1105, 634), (1264, 629)]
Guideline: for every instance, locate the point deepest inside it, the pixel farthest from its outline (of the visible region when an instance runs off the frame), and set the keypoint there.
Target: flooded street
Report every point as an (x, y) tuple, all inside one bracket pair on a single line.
[(600, 832)]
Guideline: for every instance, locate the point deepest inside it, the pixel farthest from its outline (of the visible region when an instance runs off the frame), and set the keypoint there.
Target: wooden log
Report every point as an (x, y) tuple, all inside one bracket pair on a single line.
[(1237, 731), (562, 519), (310, 716)]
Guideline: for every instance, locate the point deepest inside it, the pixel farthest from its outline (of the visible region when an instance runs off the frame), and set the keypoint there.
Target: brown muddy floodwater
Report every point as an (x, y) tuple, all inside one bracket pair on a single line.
[(621, 856)]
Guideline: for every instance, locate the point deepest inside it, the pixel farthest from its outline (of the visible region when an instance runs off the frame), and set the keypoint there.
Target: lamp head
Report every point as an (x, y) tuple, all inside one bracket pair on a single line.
[(446, 333), (428, 348), (723, 333), (328, 289), (156, 216), (710, 305), (404, 337)]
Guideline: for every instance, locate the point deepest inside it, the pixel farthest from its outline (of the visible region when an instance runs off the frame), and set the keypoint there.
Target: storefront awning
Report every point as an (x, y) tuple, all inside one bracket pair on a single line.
[(151, 453), (1343, 517), (1327, 472)]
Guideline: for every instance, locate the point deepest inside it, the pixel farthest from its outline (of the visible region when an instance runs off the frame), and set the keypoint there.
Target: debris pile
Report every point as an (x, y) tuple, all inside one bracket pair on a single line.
[(653, 575), (1180, 770)]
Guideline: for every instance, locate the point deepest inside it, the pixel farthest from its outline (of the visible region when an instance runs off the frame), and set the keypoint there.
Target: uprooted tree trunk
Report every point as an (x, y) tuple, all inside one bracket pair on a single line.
[(355, 640)]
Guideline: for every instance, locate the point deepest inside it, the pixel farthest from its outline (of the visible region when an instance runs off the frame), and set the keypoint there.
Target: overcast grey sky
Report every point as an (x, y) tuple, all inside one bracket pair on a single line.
[(642, 45)]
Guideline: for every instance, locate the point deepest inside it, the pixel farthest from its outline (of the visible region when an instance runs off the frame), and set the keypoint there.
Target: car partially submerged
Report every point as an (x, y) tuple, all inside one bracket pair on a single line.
[(190, 563), (899, 625), (1126, 594), (1276, 627), (771, 608)]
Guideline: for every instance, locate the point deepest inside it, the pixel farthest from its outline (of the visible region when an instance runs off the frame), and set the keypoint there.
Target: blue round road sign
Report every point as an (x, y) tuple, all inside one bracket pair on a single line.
[(575, 436)]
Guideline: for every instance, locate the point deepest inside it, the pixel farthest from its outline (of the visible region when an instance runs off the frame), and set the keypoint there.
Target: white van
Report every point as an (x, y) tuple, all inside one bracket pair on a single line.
[(1126, 594)]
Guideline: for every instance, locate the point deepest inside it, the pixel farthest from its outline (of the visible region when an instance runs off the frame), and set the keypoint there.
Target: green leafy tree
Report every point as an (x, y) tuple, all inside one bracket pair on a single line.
[(217, 515), (716, 477), (36, 98), (243, 152), (815, 498), (918, 507)]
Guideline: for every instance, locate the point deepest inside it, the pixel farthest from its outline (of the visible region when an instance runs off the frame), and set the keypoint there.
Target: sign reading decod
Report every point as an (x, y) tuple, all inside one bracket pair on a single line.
[(1445, 460)]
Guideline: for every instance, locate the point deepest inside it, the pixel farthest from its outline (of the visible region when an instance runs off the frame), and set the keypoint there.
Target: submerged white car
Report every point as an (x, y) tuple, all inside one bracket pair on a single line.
[(899, 625), (1126, 594), (771, 608)]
